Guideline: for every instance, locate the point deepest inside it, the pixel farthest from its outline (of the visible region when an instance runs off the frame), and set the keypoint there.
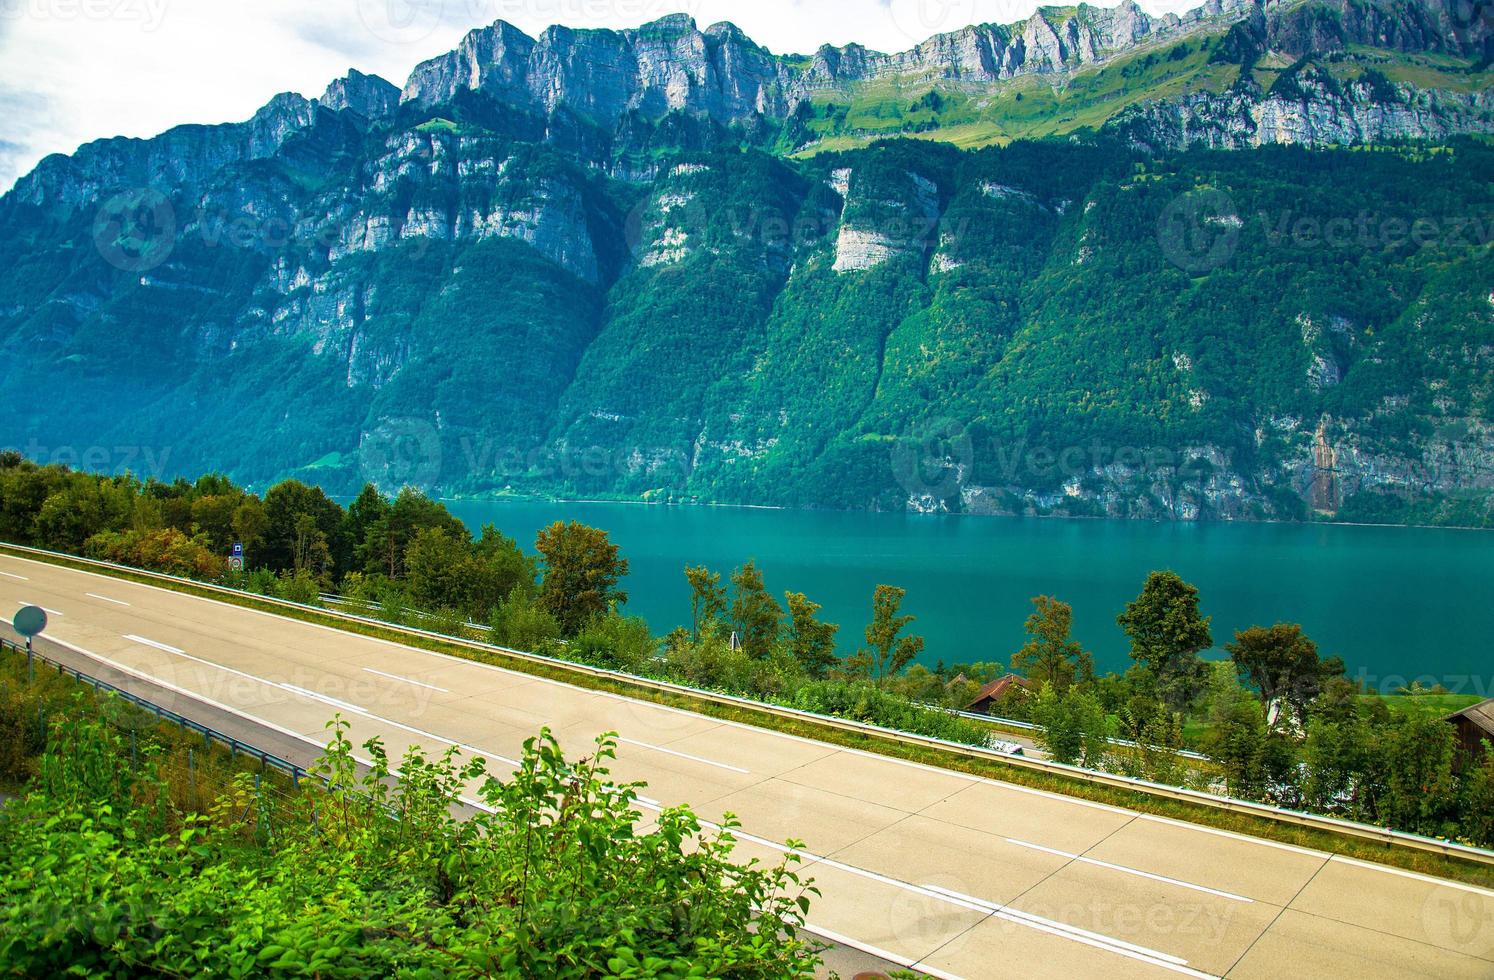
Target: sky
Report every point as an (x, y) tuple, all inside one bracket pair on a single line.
[(78, 70)]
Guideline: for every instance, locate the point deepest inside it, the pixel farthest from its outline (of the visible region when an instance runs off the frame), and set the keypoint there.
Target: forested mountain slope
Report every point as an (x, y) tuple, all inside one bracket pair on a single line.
[(701, 275)]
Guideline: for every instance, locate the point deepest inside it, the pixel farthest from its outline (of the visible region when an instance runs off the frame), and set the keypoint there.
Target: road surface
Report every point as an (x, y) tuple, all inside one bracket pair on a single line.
[(955, 875)]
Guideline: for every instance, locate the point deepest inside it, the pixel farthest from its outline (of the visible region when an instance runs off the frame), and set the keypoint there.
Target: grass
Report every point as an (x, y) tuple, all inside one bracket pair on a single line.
[(1327, 841), (1029, 106), (1034, 107), (1420, 706), (195, 774)]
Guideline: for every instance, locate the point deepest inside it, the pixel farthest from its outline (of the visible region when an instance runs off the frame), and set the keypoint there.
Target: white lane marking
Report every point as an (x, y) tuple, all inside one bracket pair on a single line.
[(344, 705), (1131, 871), (1243, 838), (877, 951), (49, 612), (1414, 876), (152, 643), (1073, 933), (406, 680), (1027, 919), (241, 712), (531, 678), (20, 578), (105, 598), (683, 755)]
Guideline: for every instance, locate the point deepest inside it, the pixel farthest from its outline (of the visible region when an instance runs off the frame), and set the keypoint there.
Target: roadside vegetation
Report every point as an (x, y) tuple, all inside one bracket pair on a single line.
[(1277, 721), (132, 850)]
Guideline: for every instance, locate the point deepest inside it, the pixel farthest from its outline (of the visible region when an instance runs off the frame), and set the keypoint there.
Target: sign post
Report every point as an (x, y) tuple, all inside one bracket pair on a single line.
[(29, 622)]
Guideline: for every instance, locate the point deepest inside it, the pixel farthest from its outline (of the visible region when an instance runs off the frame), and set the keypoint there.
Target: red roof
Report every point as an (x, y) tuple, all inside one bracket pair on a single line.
[(995, 689)]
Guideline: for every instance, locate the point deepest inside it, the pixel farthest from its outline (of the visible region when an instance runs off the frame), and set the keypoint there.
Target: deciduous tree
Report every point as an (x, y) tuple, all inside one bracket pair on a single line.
[(1167, 633), (1284, 667), (811, 641), (1049, 656), (581, 571), (886, 652), (754, 612), (707, 600)]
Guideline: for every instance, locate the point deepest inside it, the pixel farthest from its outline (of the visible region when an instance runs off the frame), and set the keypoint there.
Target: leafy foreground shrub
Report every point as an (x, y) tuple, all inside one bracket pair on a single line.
[(365, 878)]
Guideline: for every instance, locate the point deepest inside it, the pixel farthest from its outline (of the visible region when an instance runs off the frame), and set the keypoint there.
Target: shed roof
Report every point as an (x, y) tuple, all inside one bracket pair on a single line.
[(1481, 714)]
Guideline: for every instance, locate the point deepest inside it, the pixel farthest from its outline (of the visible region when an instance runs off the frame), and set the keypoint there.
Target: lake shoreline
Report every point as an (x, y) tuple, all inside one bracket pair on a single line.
[(779, 508), (1413, 601)]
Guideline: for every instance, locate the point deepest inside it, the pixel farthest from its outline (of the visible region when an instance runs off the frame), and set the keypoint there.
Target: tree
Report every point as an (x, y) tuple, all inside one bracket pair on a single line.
[(1049, 656), (1339, 753), (389, 535), (811, 641), (250, 522), (1073, 726), (1236, 740), (309, 550), (366, 511), (1478, 819), (1167, 633), (1420, 790), (707, 599), (439, 571), (499, 568), (754, 612), (886, 652), (290, 543), (1285, 668), (582, 569)]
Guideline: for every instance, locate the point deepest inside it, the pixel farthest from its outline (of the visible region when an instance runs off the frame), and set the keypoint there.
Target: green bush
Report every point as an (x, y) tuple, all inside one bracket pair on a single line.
[(367, 878)]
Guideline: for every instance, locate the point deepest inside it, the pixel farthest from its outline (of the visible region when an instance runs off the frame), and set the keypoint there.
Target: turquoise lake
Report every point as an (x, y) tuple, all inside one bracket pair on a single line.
[(1395, 603)]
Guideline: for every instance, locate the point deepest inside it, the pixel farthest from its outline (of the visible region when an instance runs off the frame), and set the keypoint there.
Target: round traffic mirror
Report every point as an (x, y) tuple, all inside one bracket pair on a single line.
[(30, 621)]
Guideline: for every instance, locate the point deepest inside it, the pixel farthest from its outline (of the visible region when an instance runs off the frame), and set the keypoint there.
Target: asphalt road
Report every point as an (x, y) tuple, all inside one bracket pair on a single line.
[(956, 875)]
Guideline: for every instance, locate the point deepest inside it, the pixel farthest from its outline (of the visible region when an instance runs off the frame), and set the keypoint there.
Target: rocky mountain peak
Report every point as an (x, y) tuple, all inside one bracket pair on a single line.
[(368, 95)]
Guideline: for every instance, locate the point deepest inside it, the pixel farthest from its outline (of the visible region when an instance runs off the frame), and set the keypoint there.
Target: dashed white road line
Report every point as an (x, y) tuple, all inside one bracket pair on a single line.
[(342, 705), (105, 598), (407, 680), (157, 645), (684, 755), (1075, 934), (1131, 871), (19, 578), (49, 612)]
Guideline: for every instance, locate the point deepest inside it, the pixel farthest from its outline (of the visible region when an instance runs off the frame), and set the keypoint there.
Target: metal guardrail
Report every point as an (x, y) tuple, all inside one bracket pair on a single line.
[(1128, 743), (1246, 807), (209, 735)]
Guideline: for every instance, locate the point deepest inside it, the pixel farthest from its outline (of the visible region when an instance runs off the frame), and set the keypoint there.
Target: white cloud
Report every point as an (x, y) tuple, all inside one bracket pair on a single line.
[(78, 70)]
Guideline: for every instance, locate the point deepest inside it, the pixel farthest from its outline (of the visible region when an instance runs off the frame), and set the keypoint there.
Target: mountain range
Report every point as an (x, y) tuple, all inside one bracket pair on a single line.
[(1229, 264)]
